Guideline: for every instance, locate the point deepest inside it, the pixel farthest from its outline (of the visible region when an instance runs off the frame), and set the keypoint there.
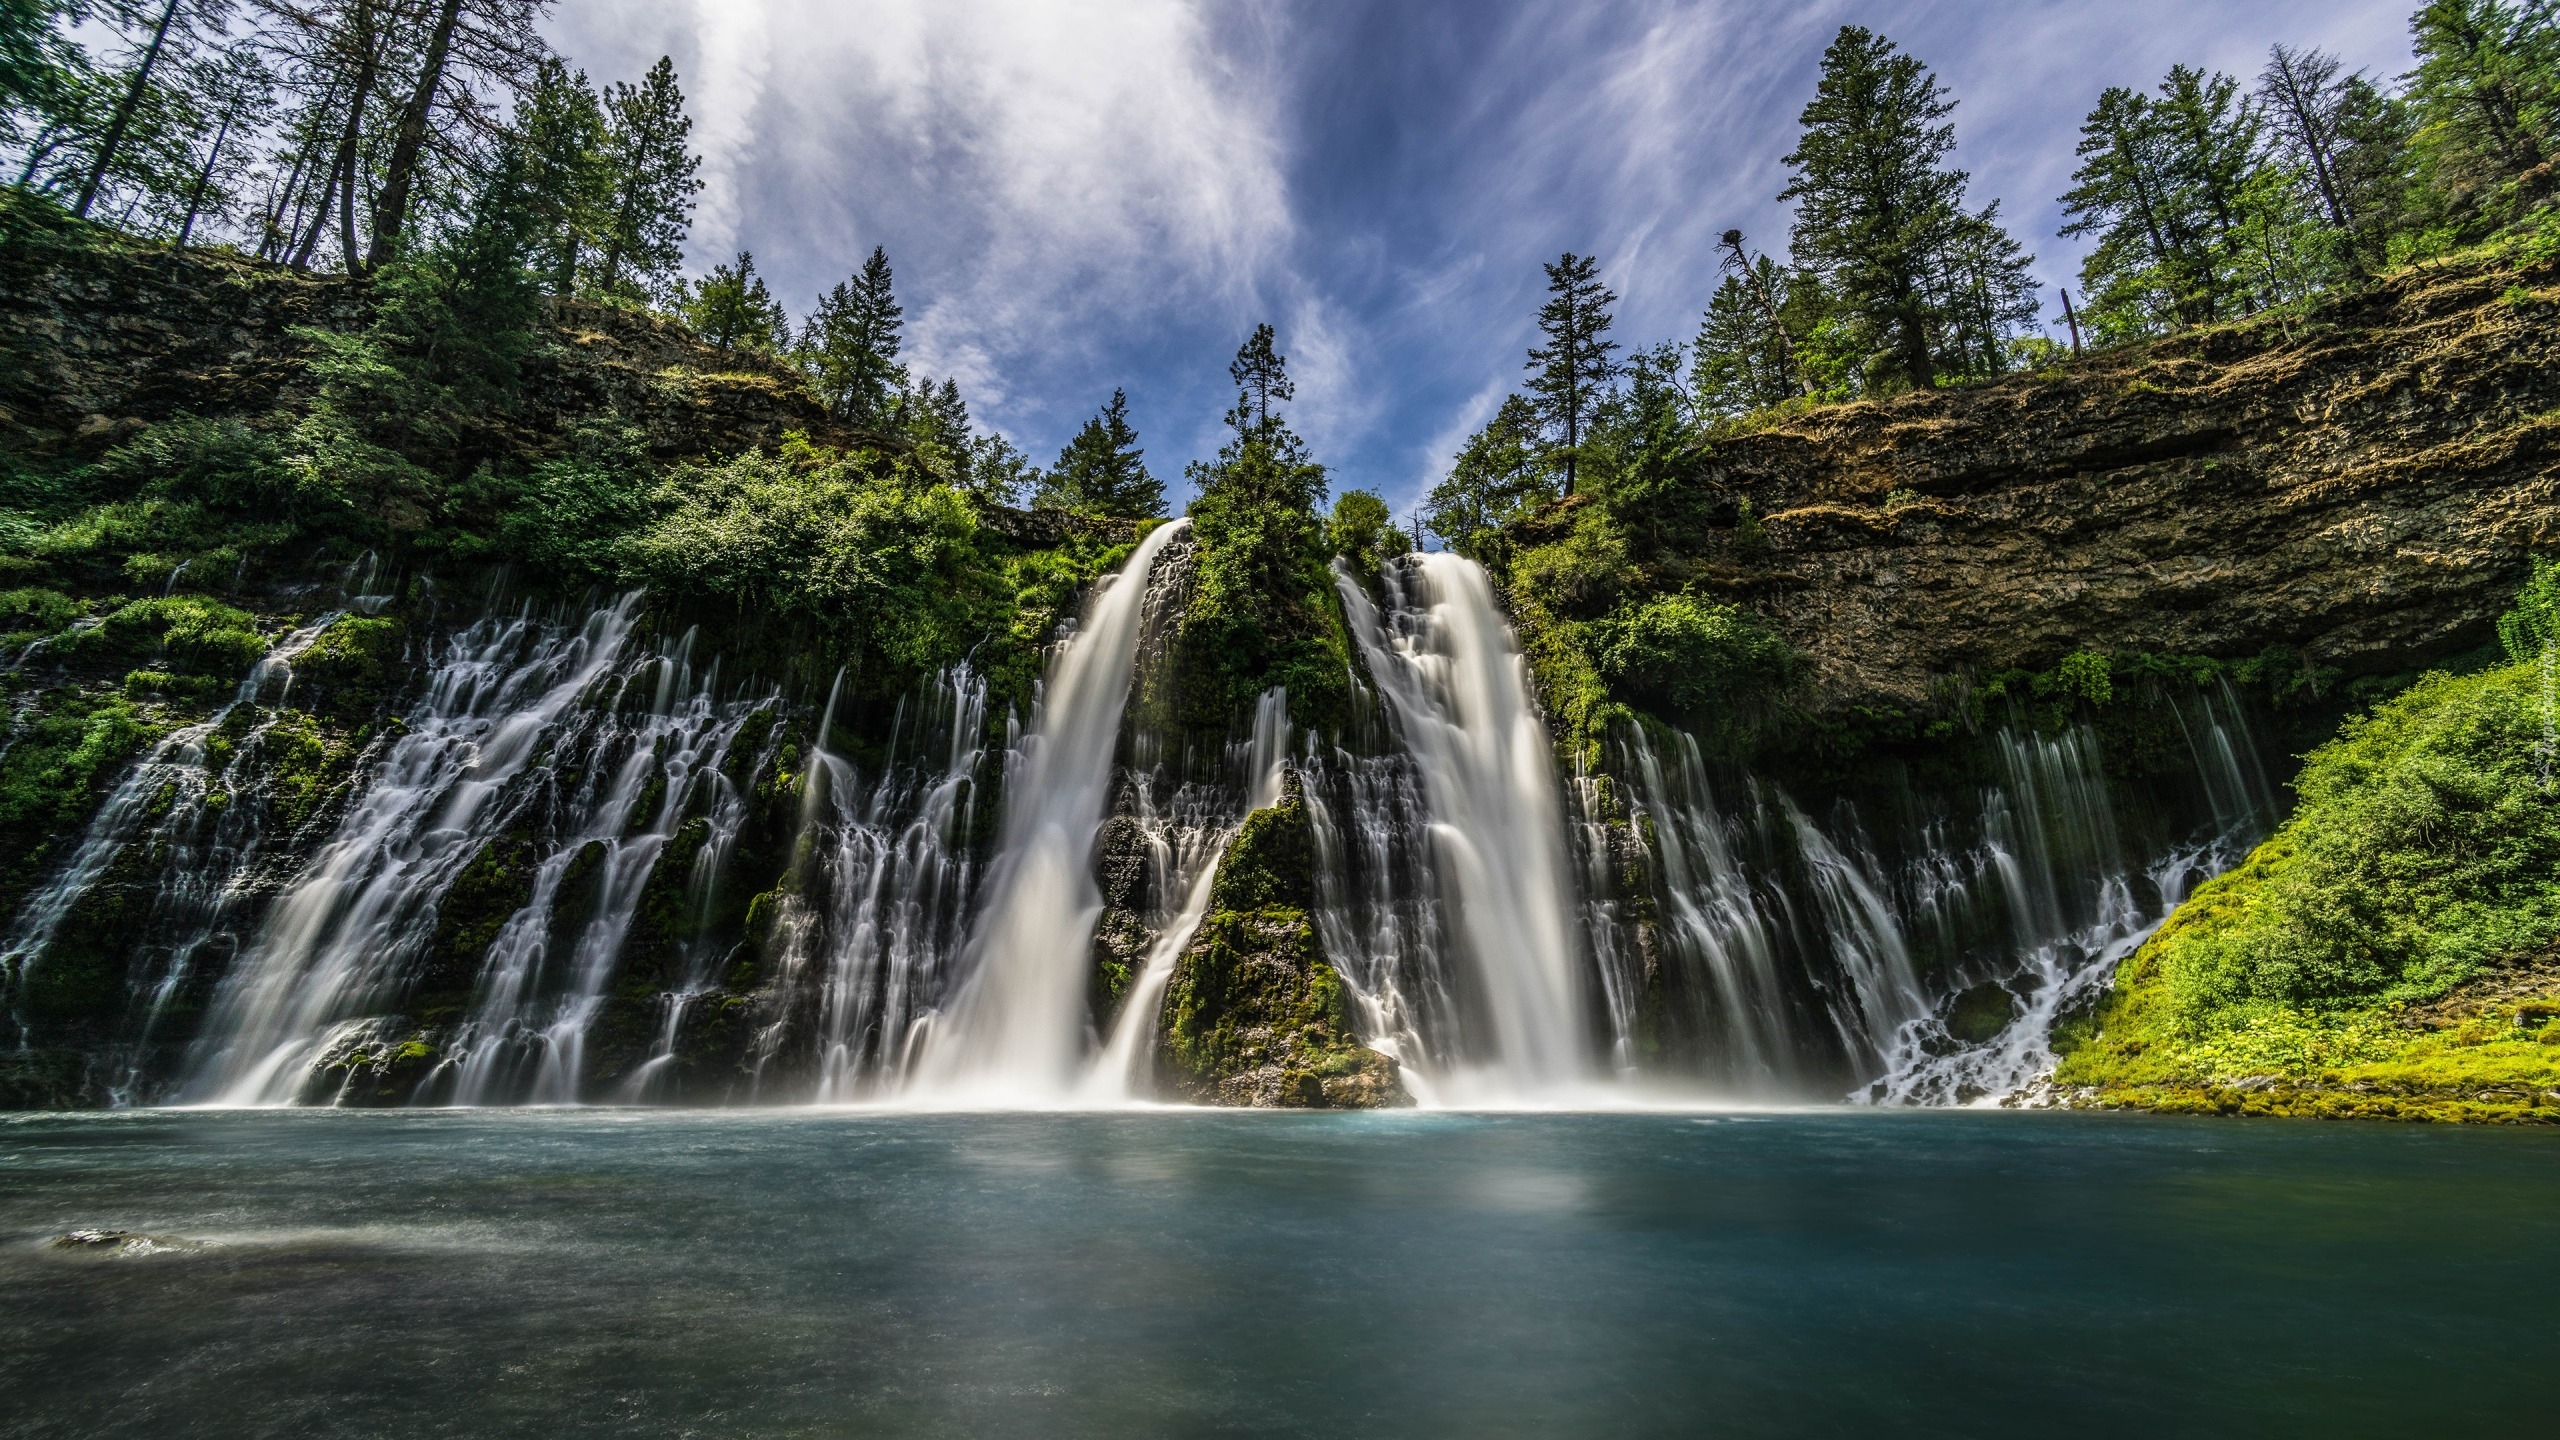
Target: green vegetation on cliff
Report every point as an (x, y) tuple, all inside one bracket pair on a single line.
[(2391, 949)]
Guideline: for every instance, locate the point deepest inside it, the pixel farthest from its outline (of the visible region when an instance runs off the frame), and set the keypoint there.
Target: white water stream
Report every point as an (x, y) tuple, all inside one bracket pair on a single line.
[(1014, 1032), (1456, 690)]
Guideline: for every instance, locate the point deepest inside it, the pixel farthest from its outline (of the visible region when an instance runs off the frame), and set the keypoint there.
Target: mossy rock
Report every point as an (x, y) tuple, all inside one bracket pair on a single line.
[(374, 1073), (1272, 860), (496, 884), (1255, 1016), (351, 670), (1978, 1014)]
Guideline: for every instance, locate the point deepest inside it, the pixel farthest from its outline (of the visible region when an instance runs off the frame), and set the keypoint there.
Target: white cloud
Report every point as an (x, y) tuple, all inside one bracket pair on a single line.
[(734, 47)]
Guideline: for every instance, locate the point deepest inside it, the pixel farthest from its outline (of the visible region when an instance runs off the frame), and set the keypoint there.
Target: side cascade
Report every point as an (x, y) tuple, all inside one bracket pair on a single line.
[(525, 728), (1482, 995), (1014, 1031)]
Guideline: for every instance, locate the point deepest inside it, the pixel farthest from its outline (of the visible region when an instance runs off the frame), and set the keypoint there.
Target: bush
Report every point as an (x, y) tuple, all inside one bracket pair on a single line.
[(197, 636), (1683, 656)]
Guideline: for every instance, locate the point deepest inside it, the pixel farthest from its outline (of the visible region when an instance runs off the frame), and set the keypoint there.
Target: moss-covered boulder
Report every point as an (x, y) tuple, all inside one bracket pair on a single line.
[(352, 670), (1255, 1015)]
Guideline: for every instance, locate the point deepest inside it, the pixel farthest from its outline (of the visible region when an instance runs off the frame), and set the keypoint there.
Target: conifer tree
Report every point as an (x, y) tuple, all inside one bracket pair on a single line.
[(850, 345), (1740, 362), (1881, 227), (2171, 184), (1876, 202), (2487, 95), (1102, 471), (731, 308), (1261, 376), (568, 179), (1569, 373), (646, 144)]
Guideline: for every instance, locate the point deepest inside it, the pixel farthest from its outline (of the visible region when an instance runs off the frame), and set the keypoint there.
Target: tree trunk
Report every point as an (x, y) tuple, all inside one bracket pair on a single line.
[(204, 178), (391, 212), (124, 113)]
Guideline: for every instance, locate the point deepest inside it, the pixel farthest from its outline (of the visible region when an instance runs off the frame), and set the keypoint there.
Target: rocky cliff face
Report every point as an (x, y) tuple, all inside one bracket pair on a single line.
[(99, 338), (2361, 485)]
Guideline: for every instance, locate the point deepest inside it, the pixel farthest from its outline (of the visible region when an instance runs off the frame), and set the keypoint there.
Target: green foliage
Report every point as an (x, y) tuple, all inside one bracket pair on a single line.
[(850, 345), (1571, 371), (731, 308), (349, 670), (1684, 657), (1263, 610), (1880, 220), (569, 177), (886, 563), (1742, 361), (2486, 96), (1500, 475), (649, 156), (2425, 846), (1102, 471), (570, 517), (195, 636), (62, 753), (2531, 630), (1363, 532)]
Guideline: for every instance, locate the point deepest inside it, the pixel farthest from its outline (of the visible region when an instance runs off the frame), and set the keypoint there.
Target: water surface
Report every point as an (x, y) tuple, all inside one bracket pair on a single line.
[(1140, 1274)]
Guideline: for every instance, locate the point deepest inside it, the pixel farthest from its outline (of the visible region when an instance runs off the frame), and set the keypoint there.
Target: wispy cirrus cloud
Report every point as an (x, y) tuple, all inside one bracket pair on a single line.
[(1080, 194)]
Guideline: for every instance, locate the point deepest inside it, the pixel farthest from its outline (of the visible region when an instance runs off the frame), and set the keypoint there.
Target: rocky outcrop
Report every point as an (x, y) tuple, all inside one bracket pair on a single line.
[(1255, 1015), (2362, 485), (101, 335)]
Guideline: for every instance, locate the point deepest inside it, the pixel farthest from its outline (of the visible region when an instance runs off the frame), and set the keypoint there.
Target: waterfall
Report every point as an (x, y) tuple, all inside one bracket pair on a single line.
[(2054, 863), (1457, 694), (338, 944), (1015, 1030), (162, 799), (1711, 922), (898, 883), (1183, 852), (535, 1004)]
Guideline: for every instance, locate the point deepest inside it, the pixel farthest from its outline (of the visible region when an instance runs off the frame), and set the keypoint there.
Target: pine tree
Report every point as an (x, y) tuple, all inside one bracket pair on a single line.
[(1499, 475), (2168, 183), (850, 345), (1740, 362), (1102, 471), (568, 180), (1569, 373), (2487, 95), (731, 308), (1876, 202), (1983, 295), (646, 135), (1261, 376)]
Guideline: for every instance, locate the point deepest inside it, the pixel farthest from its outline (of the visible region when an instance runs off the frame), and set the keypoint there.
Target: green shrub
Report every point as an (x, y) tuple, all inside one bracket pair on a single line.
[(1684, 656), (196, 636)]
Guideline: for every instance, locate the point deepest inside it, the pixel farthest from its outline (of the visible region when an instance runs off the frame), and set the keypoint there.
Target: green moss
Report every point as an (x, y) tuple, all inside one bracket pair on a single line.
[(1254, 1013), (194, 636), (2424, 858), (63, 753), (302, 764), (496, 884), (350, 670)]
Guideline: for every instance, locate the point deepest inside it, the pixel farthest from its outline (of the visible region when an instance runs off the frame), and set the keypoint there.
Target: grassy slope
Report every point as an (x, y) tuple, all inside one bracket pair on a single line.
[(2393, 951)]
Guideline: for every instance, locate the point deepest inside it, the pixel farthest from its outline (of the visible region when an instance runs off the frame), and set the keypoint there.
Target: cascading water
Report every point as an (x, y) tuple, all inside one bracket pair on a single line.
[(1183, 850), (1014, 1031), (161, 803), (515, 726), (1457, 695), (535, 1005), (2053, 861), (898, 880)]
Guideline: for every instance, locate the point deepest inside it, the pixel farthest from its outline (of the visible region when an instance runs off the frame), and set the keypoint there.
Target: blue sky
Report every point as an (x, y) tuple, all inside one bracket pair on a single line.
[(1077, 195)]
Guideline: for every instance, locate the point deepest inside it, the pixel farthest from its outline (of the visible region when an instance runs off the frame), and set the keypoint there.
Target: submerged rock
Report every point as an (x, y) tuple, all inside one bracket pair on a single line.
[(126, 1243)]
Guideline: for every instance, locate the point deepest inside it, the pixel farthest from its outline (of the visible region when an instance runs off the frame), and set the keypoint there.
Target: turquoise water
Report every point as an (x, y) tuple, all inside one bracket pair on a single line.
[(558, 1273)]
